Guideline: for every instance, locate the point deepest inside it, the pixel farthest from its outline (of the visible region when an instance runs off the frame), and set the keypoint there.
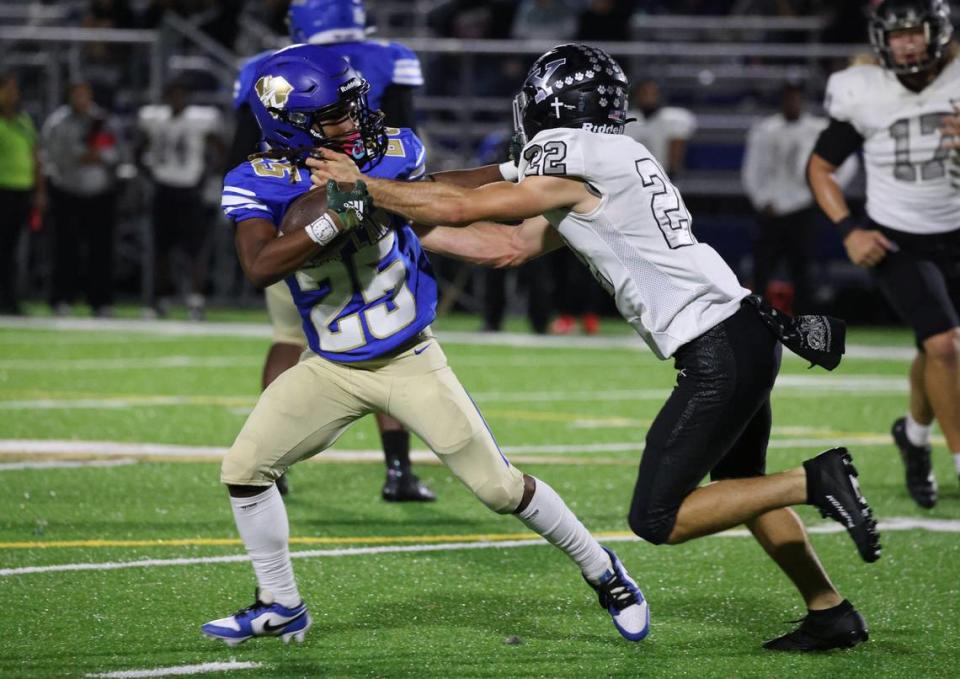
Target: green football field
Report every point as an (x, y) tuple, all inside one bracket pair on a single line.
[(116, 541)]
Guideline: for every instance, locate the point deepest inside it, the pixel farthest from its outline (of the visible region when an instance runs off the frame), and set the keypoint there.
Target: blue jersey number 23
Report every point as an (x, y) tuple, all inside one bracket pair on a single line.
[(380, 291)]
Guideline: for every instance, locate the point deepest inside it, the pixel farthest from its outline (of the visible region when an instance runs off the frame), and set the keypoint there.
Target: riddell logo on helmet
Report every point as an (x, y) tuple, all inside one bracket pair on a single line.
[(603, 129), (273, 91)]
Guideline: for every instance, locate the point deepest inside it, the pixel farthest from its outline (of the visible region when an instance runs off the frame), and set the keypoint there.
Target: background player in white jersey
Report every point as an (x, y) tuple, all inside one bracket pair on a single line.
[(608, 199), (895, 113), (179, 139), (664, 130), (366, 311), (774, 177), (393, 72)]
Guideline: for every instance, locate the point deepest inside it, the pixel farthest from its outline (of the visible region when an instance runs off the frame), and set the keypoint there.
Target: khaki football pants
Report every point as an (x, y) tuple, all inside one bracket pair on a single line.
[(305, 410), (284, 316)]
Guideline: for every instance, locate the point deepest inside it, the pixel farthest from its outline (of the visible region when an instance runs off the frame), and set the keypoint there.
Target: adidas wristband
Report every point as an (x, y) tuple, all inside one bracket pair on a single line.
[(322, 230), (509, 171)]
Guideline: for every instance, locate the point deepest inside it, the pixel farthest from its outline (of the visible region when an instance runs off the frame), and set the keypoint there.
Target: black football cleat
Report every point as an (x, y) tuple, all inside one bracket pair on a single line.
[(841, 627), (404, 486), (832, 487), (921, 483)]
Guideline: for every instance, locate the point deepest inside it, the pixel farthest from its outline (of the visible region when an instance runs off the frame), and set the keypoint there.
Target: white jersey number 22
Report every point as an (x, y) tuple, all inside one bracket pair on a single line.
[(668, 209)]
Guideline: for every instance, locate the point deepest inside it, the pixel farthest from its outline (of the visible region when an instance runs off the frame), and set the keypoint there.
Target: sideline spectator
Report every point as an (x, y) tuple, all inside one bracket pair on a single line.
[(605, 20), (21, 187), (774, 177), (80, 156), (178, 140), (578, 298), (545, 19), (664, 130)]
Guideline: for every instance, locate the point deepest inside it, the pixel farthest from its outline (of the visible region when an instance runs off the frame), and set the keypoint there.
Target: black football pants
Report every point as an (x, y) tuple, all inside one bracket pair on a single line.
[(716, 421)]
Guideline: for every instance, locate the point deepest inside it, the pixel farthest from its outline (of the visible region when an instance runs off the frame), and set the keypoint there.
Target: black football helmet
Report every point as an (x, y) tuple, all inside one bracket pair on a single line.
[(897, 15), (572, 85)]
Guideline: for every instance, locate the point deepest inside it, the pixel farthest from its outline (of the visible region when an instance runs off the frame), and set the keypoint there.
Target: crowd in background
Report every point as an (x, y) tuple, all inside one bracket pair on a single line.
[(66, 178)]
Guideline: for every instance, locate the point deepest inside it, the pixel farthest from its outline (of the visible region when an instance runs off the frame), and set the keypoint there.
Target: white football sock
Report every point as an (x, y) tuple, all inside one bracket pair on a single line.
[(548, 515), (956, 461), (917, 434), (262, 523)]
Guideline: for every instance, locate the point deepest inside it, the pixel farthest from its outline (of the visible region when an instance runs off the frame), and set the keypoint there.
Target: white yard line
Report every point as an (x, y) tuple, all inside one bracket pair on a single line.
[(123, 449), (177, 670), (156, 363), (64, 464), (891, 525), (788, 386), (503, 339)]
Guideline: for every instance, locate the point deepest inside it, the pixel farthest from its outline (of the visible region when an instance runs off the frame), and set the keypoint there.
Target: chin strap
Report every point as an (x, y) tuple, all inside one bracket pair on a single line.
[(819, 339)]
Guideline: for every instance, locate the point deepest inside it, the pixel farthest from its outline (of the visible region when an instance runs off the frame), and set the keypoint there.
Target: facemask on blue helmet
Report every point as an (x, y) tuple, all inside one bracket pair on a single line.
[(322, 22), (302, 90)]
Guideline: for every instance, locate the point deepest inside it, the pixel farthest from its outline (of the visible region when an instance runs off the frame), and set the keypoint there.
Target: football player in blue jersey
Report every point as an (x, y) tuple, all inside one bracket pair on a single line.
[(393, 72), (366, 313)]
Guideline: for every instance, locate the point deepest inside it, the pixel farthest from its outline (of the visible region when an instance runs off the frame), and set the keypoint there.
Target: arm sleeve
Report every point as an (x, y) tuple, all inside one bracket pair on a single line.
[(239, 204), (406, 67), (838, 142), (245, 138), (397, 106)]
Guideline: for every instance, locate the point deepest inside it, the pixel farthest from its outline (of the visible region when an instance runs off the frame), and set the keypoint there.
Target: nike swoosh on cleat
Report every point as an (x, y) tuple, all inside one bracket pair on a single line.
[(267, 627), (421, 349)]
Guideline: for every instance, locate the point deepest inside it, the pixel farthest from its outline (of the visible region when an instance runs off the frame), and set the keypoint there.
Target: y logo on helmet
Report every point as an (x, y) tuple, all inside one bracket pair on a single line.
[(273, 91), (539, 79)]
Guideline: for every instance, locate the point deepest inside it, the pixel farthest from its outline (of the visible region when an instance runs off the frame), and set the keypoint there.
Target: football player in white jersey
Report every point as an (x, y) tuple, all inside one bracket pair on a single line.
[(664, 130), (604, 196), (898, 113), (179, 138)]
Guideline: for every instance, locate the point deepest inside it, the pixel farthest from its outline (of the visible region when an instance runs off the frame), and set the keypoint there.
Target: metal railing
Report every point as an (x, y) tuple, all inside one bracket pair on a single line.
[(413, 16)]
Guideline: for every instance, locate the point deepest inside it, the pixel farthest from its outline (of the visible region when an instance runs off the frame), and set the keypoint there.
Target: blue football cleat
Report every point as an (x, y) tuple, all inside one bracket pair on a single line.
[(623, 600), (263, 619)]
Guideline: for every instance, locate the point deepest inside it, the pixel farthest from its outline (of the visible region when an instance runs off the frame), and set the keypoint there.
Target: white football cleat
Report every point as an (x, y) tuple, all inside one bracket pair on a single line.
[(623, 600)]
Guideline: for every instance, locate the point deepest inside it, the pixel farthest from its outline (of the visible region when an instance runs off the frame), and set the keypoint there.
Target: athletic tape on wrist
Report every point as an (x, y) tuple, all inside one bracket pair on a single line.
[(322, 230), (509, 171)]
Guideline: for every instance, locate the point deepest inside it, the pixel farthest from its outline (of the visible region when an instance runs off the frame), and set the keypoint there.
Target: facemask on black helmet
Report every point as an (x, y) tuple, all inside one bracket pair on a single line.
[(891, 16)]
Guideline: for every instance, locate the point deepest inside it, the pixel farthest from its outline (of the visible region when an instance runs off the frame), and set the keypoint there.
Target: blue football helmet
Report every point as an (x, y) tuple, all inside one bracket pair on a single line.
[(302, 86), (325, 21)]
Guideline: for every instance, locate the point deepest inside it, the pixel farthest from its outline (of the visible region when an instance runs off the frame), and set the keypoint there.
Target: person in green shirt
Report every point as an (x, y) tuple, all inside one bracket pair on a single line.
[(21, 185)]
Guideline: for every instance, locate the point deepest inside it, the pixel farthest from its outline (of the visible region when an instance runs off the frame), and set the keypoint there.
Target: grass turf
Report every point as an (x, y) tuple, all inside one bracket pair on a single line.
[(441, 613)]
